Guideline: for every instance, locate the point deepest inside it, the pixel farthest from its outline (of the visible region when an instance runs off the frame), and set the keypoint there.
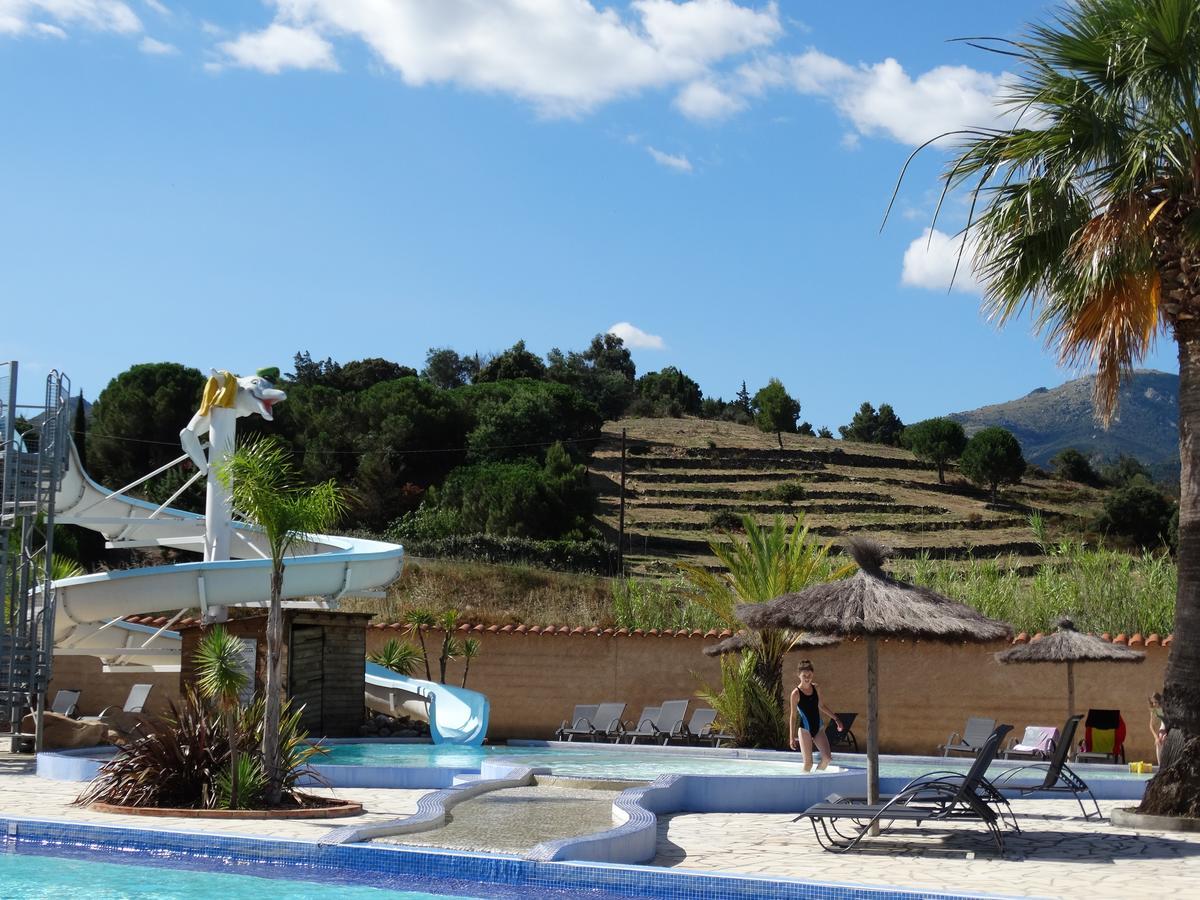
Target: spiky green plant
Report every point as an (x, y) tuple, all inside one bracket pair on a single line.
[(399, 656), (265, 489), (769, 562), (172, 761), (451, 646), (221, 678), (470, 650), (415, 620)]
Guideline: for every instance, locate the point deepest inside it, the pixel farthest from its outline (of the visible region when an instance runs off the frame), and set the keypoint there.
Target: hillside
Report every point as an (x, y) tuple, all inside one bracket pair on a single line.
[(679, 472), (1049, 420)]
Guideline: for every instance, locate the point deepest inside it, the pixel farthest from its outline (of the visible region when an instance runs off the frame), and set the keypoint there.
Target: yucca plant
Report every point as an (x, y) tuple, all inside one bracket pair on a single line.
[(400, 657), (746, 708), (221, 678), (296, 751)]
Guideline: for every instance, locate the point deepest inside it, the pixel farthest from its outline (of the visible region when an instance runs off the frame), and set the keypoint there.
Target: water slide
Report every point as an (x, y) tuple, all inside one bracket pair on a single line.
[(90, 609), (455, 715)]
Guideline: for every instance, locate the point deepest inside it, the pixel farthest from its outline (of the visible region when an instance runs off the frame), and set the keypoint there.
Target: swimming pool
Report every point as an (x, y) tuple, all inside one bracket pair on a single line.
[(612, 763), (75, 874)]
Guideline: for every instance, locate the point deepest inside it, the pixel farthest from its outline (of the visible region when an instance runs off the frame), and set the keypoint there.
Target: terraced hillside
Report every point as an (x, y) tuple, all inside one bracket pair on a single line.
[(682, 472)]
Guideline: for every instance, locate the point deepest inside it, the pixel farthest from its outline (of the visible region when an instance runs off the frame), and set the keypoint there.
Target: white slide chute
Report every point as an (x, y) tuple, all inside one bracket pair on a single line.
[(455, 715)]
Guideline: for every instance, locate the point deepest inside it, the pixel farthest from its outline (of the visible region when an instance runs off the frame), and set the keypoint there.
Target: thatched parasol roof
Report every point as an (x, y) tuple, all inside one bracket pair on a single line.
[(743, 641), (872, 603), (1069, 645)]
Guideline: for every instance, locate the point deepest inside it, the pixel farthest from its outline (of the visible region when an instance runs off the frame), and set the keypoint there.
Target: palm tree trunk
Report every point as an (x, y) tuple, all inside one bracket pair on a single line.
[(424, 655), (1176, 789), (466, 671), (271, 713)]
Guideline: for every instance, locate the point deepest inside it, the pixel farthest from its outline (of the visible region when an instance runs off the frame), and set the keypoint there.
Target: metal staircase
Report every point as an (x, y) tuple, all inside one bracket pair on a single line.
[(33, 451)]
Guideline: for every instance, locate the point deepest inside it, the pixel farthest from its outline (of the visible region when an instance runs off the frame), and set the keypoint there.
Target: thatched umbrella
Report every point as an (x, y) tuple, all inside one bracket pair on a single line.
[(873, 605), (743, 640), (1069, 646)]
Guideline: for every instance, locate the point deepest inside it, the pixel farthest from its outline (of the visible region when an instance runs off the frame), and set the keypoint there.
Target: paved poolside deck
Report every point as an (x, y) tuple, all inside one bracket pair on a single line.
[(1058, 854)]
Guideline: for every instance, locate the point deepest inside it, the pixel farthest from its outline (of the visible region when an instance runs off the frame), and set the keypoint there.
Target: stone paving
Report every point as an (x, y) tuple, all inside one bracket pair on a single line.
[(1056, 855), (24, 795)]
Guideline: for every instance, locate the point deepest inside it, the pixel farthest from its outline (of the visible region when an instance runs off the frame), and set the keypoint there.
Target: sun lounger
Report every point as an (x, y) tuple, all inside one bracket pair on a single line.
[(1103, 737), (580, 715), (657, 728), (604, 726), (972, 738), (697, 727), (938, 796), (134, 703), (1057, 776), (844, 739), (65, 702), (1038, 742)]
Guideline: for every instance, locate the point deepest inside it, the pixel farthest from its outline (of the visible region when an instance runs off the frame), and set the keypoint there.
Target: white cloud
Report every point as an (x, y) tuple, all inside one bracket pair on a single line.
[(564, 56), (879, 98), (704, 101), (280, 47), (49, 30), (157, 48), (18, 16), (637, 339), (158, 7), (679, 163), (211, 28), (929, 262)]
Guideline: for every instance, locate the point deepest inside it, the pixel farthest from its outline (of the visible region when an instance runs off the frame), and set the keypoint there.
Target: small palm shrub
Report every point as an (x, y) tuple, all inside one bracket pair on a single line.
[(399, 656), (746, 707)]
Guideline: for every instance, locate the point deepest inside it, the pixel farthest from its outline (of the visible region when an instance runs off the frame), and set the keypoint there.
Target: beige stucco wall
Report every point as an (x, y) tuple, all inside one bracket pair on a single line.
[(926, 690)]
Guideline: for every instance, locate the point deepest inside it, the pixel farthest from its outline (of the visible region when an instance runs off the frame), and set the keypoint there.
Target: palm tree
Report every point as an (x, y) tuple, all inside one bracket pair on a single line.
[(221, 678), (265, 490), (771, 561), (399, 656), (1086, 213), (415, 620), (470, 650), (451, 648)]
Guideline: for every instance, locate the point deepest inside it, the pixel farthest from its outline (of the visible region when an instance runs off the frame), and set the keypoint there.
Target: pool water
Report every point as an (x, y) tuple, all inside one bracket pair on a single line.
[(646, 764), (38, 877), (630, 764), (69, 873)]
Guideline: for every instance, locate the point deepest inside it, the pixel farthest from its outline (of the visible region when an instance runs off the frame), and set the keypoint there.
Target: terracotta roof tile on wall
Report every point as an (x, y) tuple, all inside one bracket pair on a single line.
[(1136, 640)]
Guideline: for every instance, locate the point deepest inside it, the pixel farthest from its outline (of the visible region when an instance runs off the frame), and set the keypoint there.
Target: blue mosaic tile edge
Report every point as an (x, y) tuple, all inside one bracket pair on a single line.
[(312, 859)]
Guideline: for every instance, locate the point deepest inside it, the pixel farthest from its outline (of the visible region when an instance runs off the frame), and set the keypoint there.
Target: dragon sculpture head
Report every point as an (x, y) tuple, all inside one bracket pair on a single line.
[(246, 395)]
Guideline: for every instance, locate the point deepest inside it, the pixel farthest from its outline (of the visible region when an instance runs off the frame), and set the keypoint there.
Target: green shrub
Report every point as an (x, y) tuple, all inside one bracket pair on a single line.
[(725, 520), (1140, 512), (788, 492), (592, 556)]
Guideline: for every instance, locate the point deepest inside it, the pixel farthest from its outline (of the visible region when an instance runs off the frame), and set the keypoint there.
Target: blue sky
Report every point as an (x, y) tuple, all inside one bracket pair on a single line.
[(224, 184)]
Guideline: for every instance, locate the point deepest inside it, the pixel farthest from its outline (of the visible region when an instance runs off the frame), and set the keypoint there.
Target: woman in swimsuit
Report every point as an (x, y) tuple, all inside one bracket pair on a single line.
[(807, 703), (1158, 728)]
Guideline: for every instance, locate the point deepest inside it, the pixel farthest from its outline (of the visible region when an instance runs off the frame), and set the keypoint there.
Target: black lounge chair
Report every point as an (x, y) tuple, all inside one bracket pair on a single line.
[(935, 797), (698, 727), (842, 740), (604, 726), (1058, 776), (971, 739)]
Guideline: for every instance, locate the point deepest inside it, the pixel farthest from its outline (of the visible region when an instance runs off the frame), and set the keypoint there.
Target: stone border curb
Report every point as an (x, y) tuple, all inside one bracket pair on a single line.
[(1126, 817), (336, 811)]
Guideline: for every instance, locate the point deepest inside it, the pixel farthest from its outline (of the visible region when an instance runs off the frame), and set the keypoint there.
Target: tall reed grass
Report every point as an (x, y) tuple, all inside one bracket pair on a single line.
[(1101, 590)]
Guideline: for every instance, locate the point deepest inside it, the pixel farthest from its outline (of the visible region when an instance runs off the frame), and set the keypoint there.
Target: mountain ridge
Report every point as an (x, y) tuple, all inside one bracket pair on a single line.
[(1049, 420)]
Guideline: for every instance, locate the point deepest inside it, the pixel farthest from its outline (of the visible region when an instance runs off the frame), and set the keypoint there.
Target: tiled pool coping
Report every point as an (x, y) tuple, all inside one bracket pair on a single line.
[(310, 859)]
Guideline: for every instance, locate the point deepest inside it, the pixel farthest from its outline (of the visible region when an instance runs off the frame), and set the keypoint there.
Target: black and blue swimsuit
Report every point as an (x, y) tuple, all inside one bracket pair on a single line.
[(809, 708)]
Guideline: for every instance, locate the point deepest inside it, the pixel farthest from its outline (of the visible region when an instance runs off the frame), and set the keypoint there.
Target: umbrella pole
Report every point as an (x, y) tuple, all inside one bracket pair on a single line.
[(873, 725), (1070, 688)]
